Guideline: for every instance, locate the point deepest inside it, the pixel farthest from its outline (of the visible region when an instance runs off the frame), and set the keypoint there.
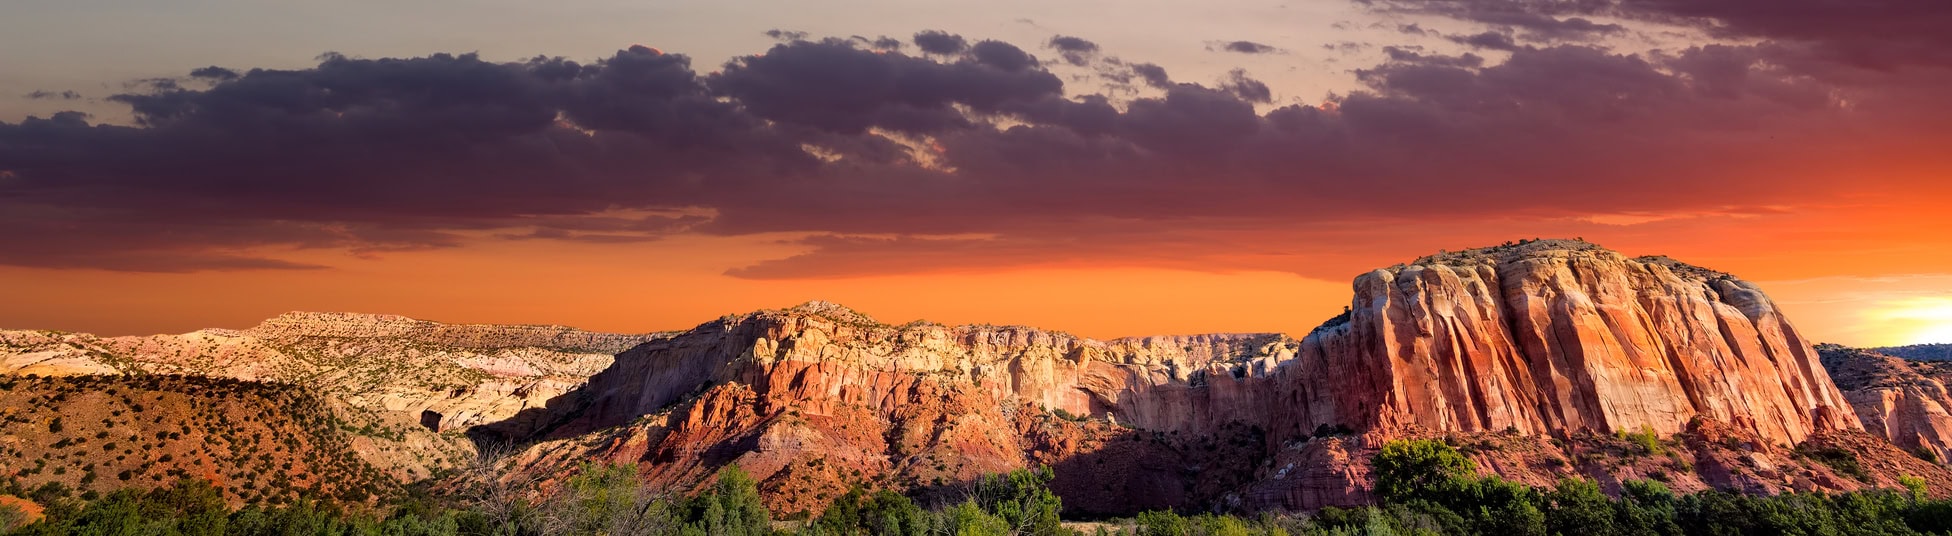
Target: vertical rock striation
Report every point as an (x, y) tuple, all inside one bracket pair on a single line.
[(1549, 337)]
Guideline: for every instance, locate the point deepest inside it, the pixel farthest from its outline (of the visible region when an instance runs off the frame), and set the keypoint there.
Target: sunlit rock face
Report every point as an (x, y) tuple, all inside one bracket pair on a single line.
[(1541, 339), (1901, 400), (1557, 336)]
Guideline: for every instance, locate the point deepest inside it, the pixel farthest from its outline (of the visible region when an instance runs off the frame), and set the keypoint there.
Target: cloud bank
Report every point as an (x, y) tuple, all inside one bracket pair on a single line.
[(963, 152)]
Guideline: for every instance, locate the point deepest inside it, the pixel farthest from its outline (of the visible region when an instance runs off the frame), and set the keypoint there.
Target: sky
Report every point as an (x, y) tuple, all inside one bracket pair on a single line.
[(1103, 168)]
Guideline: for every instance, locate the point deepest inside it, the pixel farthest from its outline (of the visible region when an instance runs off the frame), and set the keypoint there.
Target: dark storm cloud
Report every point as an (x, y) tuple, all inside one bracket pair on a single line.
[(875, 155), (1879, 34), (1247, 47), (834, 86), (937, 42)]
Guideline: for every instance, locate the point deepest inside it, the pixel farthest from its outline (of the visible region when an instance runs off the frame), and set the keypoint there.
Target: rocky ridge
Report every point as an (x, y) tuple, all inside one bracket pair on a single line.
[(449, 376), (1547, 340), (1903, 401)]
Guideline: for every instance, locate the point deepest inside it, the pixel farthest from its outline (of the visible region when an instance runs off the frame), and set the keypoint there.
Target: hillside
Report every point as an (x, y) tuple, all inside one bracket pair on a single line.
[(449, 376), (259, 442), (1919, 352)]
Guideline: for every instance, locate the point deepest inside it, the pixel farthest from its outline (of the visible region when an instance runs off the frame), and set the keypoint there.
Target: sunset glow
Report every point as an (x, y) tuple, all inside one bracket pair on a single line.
[(1013, 163)]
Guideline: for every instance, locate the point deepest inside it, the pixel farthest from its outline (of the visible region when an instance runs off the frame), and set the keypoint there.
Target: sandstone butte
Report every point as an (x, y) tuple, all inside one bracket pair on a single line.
[(1533, 357)]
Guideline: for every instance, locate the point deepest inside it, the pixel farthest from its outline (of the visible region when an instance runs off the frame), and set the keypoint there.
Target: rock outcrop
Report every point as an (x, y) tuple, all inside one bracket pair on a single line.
[(449, 376), (1544, 339), (1548, 337), (1903, 401)]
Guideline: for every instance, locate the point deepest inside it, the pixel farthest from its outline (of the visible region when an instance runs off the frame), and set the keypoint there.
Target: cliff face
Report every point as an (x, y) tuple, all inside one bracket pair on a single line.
[(1903, 401), (1544, 339), (1555, 336)]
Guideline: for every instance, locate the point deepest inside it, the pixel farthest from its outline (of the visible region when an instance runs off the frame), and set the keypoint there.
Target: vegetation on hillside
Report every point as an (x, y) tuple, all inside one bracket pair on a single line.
[(1424, 487), (86, 436)]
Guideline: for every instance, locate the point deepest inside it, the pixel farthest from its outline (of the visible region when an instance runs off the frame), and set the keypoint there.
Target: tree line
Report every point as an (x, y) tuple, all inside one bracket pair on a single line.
[(1423, 488)]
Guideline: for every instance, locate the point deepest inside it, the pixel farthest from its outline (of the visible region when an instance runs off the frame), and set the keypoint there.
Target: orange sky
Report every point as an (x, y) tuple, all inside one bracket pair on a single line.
[(680, 283)]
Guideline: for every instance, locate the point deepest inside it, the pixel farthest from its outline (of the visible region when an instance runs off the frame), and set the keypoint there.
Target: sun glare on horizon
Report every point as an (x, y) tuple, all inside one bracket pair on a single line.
[(1921, 320)]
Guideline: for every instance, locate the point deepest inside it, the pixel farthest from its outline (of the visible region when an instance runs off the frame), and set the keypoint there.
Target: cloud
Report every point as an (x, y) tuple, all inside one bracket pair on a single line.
[(42, 94), (786, 35), (937, 42), (1536, 20), (973, 156), (1244, 47), (1247, 88), (214, 73), (1076, 51)]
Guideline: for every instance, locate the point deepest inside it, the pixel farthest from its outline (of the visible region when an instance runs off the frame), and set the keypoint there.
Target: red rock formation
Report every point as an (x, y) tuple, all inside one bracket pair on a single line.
[(1544, 349), (1905, 402), (1554, 336), (1548, 339)]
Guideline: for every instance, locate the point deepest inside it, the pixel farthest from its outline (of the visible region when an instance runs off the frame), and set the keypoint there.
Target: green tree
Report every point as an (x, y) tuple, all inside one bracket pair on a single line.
[(1023, 499), (1419, 469), (1576, 506), (731, 507), (970, 519), (1162, 523)]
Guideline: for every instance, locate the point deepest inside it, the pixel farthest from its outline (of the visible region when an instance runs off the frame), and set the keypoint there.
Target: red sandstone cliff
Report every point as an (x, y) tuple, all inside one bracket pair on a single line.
[(1555, 336), (1540, 340)]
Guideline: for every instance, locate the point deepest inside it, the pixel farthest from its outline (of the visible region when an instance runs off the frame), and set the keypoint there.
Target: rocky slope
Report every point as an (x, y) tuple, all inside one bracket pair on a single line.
[(1919, 352), (1546, 341), (448, 376), (256, 441), (1903, 401)]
